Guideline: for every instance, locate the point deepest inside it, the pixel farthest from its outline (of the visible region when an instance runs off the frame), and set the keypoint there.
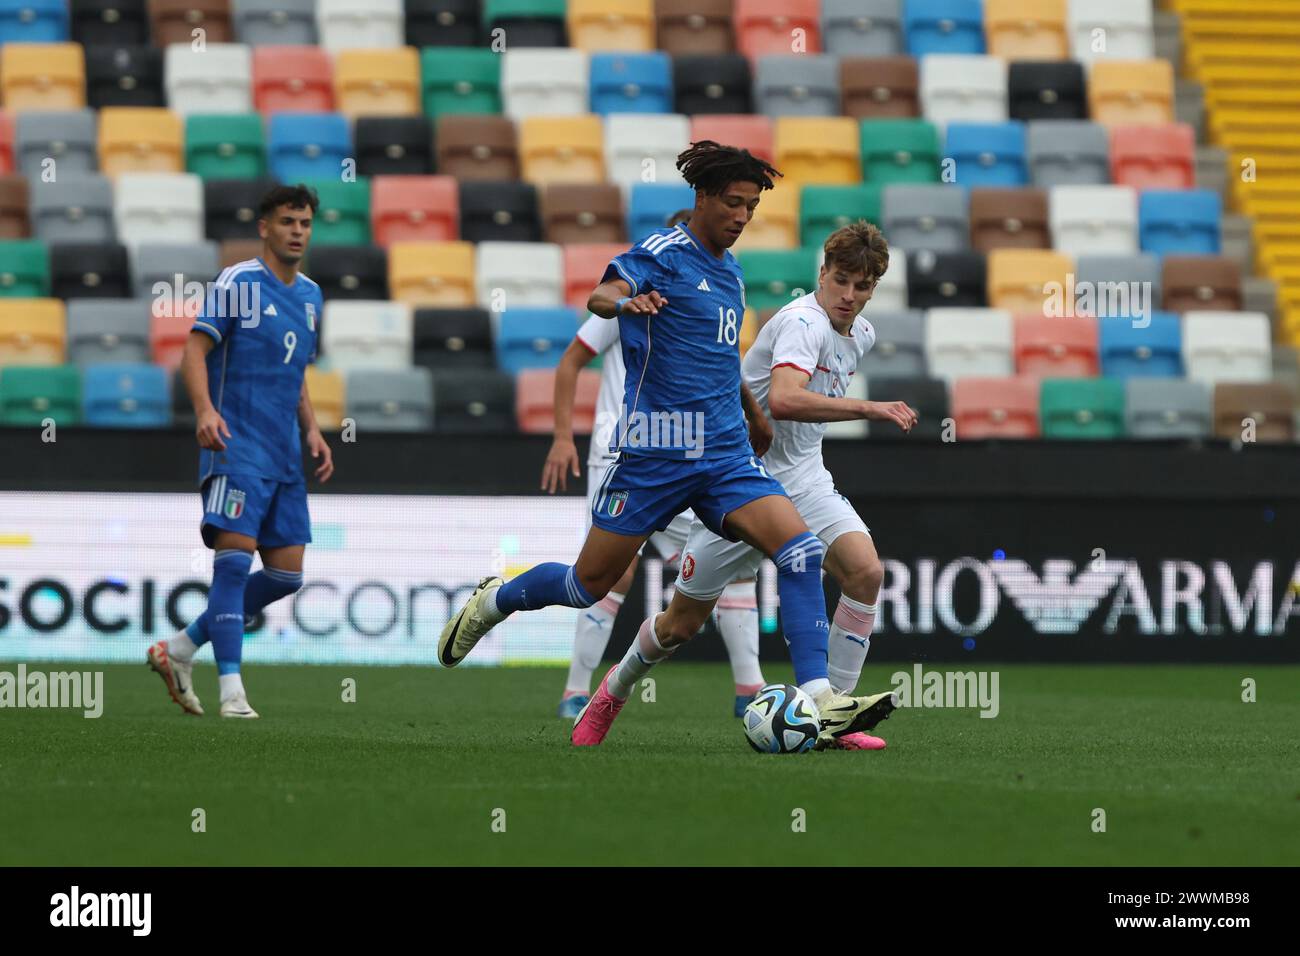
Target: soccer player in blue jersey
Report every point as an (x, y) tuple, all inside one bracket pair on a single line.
[(244, 367), (678, 297)]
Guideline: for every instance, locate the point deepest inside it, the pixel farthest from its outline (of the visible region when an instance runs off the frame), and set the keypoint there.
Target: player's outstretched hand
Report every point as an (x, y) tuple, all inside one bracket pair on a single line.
[(211, 426), (561, 461), (319, 448), (648, 304), (900, 413)]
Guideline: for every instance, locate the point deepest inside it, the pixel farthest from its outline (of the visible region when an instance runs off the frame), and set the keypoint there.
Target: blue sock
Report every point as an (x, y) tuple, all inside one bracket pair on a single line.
[(265, 587), (226, 608), (803, 605), (543, 586)]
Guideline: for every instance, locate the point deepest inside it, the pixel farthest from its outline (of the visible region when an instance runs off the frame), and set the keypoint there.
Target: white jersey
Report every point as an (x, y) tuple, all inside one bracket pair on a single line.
[(601, 336), (801, 335)]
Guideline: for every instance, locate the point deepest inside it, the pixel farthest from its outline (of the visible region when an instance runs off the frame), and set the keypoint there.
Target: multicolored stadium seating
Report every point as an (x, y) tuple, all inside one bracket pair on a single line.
[(1035, 164)]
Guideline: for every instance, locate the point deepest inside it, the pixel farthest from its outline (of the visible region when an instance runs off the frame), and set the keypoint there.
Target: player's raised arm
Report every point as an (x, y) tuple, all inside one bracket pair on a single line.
[(614, 298), (316, 443), (210, 426), (791, 400)]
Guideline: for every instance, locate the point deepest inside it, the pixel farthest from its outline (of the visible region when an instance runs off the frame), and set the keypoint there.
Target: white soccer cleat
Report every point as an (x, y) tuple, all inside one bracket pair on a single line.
[(237, 706), (843, 715), (177, 676), (467, 627)]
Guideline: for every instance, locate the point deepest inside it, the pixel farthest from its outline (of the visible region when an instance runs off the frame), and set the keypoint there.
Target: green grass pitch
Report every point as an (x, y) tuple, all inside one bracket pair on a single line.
[(416, 769)]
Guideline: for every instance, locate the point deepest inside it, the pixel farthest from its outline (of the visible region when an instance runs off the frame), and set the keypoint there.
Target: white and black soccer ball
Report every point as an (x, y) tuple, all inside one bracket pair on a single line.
[(782, 719)]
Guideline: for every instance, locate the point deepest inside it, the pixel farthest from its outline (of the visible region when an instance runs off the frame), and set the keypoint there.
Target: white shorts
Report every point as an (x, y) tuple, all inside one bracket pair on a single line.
[(710, 563), (670, 542)]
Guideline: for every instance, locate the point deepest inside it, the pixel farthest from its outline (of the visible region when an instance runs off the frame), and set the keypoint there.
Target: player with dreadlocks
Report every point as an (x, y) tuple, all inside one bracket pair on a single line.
[(683, 442)]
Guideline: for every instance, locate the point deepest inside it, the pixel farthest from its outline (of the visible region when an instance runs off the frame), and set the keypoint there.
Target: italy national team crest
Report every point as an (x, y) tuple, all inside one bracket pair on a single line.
[(617, 502), (311, 316), (234, 503)]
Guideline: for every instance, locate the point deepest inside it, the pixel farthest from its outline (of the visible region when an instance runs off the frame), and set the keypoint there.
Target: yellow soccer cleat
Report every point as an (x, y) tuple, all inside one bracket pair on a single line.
[(842, 715), (468, 626)]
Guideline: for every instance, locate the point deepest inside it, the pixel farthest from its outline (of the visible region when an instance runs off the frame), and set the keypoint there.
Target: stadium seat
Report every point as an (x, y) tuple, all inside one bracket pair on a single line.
[(776, 220), (90, 270), (349, 272), (1087, 408), (1109, 285), (544, 82), (929, 396), (154, 207), (964, 342), (967, 88), (499, 212), (900, 151), (377, 82), (527, 23), (943, 279), (1002, 407), (943, 26), (1227, 347), (1093, 219), (361, 334), (76, 209), (213, 80), (862, 28), (124, 76), (443, 23), (274, 22), (407, 208), (453, 338), (891, 290), (611, 25), (631, 82), (900, 342), (575, 212), (1009, 219), (513, 275), (456, 81), (690, 27), (650, 204), (987, 154), (886, 87), (477, 148), (7, 141), (823, 209), (140, 140), (1141, 347), (799, 84), (170, 323), (155, 263), (424, 273), (308, 145), (225, 147), (1265, 408), (234, 251), (290, 79), (1131, 92), (535, 401), (32, 331), (1153, 157), (1027, 280), (230, 208), (718, 83), (474, 401), (818, 150), (533, 337), (751, 132), (126, 396), (584, 265), (108, 331), (174, 21), (925, 216), (1016, 30), (112, 23), (43, 76), (1067, 153), (24, 269), (1164, 408), (30, 396), (391, 400), (1056, 347), (328, 391), (1047, 91), (769, 26), (774, 277), (560, 149), (1111, 30), (15, 218), (66, 137), (1200, 283), (360, 24), (1180, 222), (637, 144), (394, 145)]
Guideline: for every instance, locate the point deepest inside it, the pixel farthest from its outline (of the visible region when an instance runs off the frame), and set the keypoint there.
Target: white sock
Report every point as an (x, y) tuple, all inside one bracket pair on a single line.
[(232, 685), (817, 687), (181, 648), (489, 610), (738, 622), (590, 636), (643, 653), (849, 642)]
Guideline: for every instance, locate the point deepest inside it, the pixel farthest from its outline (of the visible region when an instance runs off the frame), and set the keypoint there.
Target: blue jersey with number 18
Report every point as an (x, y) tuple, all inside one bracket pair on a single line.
[(266, 335), (683, 365)]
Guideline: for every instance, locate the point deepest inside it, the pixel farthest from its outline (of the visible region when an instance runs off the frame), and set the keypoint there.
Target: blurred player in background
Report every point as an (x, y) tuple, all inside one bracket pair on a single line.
[(738, 604), (244, 367)]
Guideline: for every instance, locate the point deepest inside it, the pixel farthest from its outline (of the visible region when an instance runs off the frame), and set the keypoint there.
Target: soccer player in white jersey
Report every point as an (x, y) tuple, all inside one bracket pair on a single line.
[(737, 611), (798, 369)]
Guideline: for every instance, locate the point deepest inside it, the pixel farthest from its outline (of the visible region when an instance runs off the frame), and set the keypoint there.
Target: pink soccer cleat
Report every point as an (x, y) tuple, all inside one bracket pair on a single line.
[(594, 721), (858, 741)]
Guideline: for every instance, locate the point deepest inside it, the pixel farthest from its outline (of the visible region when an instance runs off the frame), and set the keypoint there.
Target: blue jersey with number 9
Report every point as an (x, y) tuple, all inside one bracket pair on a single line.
[(266, 335)]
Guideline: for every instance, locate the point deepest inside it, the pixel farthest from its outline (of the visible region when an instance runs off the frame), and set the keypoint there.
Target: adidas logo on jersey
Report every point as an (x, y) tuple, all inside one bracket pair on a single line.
[(270, 310), (704, 286)]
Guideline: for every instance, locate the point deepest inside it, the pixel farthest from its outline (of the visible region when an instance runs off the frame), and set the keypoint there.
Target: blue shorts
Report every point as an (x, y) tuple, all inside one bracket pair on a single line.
[(641, 494), (272, 513)]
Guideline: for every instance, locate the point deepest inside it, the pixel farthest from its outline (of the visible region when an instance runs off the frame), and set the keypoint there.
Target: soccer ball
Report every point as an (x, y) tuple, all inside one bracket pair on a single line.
[(782, 719)]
